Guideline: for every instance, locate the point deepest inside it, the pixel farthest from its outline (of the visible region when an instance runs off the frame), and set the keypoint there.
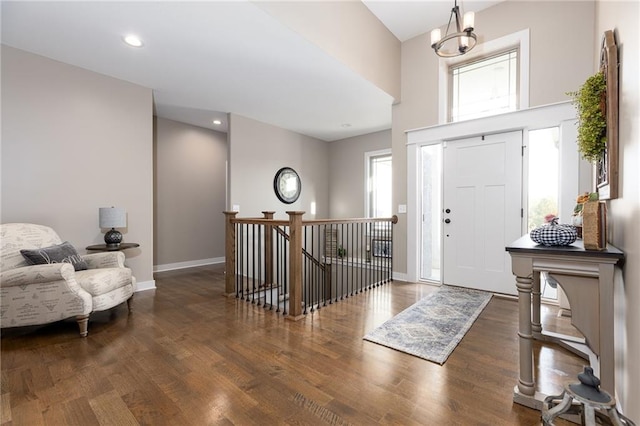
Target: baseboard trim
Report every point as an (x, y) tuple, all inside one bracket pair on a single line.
[(398, 276), (188, 264), (145, 285)]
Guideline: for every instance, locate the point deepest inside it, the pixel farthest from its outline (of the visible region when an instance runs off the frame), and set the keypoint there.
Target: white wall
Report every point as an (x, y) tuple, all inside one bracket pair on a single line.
[(189, 187), (74, 141), (624, 212), (257, 151)]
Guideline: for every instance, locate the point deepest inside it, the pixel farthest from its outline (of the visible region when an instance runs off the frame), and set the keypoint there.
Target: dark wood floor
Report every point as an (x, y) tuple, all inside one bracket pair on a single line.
[(189, 356)]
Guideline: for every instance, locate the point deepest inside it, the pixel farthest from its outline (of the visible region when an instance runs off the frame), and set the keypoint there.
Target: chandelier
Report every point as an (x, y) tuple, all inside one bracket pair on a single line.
[(459, 42)]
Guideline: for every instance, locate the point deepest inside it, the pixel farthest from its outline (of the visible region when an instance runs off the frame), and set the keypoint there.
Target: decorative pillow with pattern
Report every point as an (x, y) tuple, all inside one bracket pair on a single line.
[(554, 234), (61, 253)]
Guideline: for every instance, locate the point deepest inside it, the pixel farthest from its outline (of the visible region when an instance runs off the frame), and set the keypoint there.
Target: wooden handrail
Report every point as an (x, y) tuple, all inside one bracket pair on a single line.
[(279, 222), (393, 219), (261, 221)]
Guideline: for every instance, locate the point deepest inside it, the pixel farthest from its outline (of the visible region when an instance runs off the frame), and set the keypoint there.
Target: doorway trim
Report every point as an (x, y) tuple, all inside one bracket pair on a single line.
[(561, 114)]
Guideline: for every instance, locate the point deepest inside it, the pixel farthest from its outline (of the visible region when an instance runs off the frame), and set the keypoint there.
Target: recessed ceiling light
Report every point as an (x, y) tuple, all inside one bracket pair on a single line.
[(217, 122), (133, 40)]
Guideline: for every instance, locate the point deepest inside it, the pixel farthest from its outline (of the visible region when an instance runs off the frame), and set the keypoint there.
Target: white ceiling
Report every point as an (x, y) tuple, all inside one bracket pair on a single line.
[(204, 59)]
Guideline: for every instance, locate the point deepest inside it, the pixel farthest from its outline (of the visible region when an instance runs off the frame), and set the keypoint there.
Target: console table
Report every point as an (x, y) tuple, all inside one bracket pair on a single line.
[(586, 276)]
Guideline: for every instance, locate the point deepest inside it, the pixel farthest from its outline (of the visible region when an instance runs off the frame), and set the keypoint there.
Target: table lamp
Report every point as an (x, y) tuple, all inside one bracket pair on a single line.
[(112, 217)]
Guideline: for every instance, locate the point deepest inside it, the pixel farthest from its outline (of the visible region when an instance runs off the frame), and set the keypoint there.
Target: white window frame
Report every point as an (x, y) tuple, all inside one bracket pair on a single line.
[(518, 40), (367, 176)]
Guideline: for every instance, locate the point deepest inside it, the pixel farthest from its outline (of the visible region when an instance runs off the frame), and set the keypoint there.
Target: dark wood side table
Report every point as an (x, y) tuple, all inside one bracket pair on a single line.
[(104, 247)]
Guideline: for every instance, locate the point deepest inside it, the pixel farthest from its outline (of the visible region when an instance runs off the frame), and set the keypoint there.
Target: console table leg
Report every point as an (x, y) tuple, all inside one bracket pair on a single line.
[(536, 294), (526, 385)]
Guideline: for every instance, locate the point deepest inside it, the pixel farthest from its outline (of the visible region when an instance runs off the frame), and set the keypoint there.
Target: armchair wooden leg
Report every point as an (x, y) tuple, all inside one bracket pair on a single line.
[(129, 303), (83, 323)]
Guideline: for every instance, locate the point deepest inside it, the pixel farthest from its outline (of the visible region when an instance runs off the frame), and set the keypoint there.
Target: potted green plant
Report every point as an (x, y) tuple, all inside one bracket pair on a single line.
[(590, 103)]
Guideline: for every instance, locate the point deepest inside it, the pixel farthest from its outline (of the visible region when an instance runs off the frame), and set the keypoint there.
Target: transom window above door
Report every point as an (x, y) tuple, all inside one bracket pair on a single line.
[(491, 80), (485, 86)]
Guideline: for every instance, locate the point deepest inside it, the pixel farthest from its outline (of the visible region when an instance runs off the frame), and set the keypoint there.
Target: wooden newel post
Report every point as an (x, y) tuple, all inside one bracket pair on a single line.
[(230, 254), (268, 250), (295, 265)]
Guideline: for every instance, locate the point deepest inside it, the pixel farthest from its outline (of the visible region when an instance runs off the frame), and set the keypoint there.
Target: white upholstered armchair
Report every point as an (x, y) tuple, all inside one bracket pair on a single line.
[(33, 294)]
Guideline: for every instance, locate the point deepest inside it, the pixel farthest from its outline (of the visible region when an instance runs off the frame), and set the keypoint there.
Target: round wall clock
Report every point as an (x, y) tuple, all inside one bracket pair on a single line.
[(287, 185)]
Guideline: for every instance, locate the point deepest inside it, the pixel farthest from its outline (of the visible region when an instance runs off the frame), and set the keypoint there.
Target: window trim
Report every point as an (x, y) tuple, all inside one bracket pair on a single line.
[(367, 174), (519, 40)]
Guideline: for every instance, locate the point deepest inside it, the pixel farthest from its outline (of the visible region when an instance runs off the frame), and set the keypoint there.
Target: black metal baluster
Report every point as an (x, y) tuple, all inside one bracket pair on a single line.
[(316, 254), (305, 272), (360, 256), (390, 258), (392, 251), (368, 257), (277, 277), (259, 262), (245, 262), (353, 252), (248, 269), (325, 291), (376, 265), (309, 297), (238, 254), (285, 272), (253, 263), (267, 286)]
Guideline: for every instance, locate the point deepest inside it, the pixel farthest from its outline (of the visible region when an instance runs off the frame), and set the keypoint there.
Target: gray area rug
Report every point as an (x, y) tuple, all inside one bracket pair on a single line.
[(432, 327)]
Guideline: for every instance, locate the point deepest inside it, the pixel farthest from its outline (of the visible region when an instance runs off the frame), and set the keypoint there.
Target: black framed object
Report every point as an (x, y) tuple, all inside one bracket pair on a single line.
[(287, 185), (381, 248)]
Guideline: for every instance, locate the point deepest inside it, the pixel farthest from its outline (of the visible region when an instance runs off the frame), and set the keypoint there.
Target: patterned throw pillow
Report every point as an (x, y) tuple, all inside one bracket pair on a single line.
[(553, 234), (61, 253)]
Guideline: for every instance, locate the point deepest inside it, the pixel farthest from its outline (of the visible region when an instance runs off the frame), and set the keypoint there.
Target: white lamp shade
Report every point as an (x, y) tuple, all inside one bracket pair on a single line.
[(468, 20), (112, 217), (435, 36)]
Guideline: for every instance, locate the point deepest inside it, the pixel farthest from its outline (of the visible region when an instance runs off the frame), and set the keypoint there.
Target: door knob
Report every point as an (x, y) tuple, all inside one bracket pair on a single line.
[(447, 221)]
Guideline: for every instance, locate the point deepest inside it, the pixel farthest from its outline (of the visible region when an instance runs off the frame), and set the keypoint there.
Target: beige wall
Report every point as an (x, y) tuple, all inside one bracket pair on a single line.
[(257, 151), (561, 58), (624, 212), (346, 176), (348, 31), (190, 185), (74, 141)]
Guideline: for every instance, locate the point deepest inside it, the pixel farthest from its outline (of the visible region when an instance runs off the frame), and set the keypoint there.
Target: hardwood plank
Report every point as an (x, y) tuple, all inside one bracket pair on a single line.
[(188, 355), (110, 409), (5, 412)]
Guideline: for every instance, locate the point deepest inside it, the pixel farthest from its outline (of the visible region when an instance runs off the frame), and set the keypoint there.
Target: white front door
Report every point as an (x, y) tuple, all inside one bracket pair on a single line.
[(482, 210)]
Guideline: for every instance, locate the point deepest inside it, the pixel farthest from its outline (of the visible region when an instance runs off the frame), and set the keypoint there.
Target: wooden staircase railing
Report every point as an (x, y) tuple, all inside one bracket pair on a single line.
[(296, 266)]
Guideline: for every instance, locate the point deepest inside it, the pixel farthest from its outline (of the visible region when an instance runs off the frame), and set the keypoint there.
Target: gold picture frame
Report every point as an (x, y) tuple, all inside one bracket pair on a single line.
[(606, 169)]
